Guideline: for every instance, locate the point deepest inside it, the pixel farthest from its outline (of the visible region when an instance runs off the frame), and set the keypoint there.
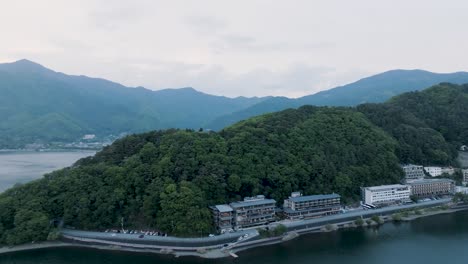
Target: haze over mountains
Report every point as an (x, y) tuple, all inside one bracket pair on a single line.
[(41, 105)]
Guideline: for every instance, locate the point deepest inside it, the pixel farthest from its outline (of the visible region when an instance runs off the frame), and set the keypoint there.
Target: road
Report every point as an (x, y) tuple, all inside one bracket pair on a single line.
[(220, 240)]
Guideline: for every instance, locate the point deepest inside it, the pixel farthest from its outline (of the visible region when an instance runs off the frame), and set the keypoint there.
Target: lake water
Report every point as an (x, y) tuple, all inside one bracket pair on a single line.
[(21, 167), (431, 240)]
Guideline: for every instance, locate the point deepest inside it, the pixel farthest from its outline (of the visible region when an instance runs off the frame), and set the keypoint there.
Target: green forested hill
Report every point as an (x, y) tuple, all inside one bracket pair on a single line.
[(166, 179), (43, 106), (38, 105), (374, 89), (429, 125)]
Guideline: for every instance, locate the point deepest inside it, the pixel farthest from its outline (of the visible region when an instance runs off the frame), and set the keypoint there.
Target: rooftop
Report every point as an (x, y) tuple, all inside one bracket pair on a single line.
[(411, 165), (252, 203), (223, 208), (314, 197), (428, 181), (384, 187)]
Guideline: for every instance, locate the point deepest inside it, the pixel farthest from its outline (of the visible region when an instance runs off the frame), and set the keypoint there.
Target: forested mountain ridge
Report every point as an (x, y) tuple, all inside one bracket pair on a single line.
[(374, 89), (167, 179), (41, 105), (429, 125)]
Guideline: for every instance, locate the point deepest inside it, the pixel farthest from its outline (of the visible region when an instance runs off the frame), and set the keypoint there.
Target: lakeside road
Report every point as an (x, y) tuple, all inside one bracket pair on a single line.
[(225, 245), (215, 247)]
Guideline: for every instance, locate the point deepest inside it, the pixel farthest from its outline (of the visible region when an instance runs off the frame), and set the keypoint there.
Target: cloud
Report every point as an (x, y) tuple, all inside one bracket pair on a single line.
[(293, 81), (234, 48)]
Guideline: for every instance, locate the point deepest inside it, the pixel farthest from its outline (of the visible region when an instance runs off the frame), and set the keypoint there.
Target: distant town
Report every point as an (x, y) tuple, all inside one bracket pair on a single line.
[(86, 142)]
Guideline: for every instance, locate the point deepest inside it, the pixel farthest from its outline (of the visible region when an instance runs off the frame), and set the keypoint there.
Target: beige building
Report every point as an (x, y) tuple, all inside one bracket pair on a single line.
[(465, 176), (431, 187)]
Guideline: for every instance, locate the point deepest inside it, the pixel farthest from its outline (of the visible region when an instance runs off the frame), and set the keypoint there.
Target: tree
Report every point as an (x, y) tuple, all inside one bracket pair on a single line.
[(183, 211)]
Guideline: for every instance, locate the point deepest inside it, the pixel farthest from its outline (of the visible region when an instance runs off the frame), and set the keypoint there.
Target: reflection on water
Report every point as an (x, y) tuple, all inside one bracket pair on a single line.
[(21, 167)]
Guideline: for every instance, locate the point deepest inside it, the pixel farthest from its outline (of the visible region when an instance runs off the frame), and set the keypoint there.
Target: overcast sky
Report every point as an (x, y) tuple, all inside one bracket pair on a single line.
[(236, 48)]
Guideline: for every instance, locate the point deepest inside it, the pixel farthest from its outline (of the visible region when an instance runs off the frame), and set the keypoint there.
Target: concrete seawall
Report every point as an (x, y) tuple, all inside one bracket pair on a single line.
[(225, 245)]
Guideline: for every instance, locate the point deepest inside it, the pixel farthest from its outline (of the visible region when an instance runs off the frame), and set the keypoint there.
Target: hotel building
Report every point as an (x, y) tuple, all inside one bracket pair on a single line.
[(223, 217), (311, 206), (431, 187), (253, 211), (385, 194)]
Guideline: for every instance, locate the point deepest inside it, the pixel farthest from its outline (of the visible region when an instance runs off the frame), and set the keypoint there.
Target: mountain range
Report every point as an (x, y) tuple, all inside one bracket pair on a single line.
[(39, 105), (167, 179)]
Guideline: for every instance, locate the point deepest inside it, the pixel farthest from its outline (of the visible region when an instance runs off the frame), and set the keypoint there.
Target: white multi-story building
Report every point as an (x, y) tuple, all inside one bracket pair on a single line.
[(386, 194), (413, 172), (433, 171), (461, 189), (448, 170)]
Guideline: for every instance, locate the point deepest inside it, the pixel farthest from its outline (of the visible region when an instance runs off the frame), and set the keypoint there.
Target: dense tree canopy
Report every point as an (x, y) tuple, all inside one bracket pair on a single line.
[(167, 179), (429, 125)]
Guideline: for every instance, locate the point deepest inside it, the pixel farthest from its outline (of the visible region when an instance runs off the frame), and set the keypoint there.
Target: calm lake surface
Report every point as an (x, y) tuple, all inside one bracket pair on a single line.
[(431, 240), (21, 167)]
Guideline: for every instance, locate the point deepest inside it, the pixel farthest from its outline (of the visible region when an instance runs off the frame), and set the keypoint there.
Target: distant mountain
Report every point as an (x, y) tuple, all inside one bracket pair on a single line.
[(168, 179), (41, 105), (374, 89)]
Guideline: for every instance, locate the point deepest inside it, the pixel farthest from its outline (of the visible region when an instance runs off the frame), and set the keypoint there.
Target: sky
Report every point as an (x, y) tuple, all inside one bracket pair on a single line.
[(236, 48)]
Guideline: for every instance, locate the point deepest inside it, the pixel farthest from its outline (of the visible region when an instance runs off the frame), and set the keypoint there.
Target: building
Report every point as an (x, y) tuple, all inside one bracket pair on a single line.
[(413, 172), (431, 187), (448, 170), (386, 194), (303, 207), (223, 217), (433, 171), (461, 189), (465, 176), (253, 211), (89, 136)]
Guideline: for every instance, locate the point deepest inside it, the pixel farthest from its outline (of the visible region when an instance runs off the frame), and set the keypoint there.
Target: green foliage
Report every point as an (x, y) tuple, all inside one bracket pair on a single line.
[(460, 198), (359, 221), (377, 219), (428, 125), (374, 89), (43, 106), (54, 234), (183, 211), (167, 179), (279, 230), (397, 217)]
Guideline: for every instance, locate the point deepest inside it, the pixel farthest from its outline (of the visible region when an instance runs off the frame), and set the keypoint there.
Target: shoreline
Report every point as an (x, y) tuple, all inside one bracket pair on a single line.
[(214, 253)]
